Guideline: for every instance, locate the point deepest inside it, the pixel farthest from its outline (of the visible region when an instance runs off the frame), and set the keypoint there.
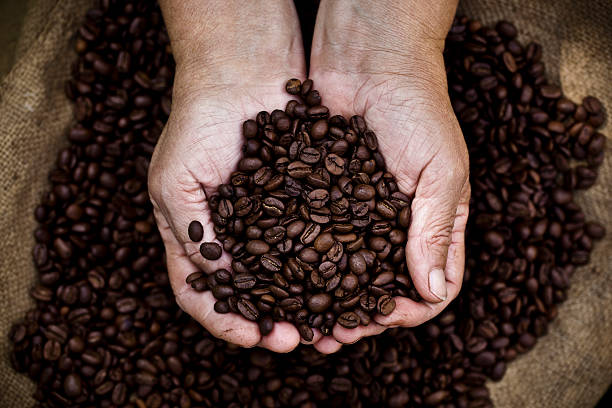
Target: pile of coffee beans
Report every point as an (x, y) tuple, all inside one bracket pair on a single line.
[(315, 225), (106, 331)]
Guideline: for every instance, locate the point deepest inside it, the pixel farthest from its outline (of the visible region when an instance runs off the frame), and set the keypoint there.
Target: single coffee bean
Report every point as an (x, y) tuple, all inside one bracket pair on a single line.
[(247, 309), (319, 303), (323, 242), (195, 231), (348, 320), (210, 250), (293, 86), (386, 305), (364, 192), (266, 325), (334, 164), (271, 263), (305, 332), (257, 247), (244, 281)]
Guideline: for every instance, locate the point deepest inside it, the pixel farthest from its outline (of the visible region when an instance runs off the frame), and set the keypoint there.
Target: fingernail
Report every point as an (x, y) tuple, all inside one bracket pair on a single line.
[(437, 283)]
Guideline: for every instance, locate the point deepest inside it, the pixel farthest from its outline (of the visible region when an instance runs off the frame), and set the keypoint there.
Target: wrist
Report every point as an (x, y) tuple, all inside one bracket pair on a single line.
[(222, 43), (382, 36)]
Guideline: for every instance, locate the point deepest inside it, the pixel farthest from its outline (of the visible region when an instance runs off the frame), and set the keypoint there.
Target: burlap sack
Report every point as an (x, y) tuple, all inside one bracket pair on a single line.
[(570, 367)]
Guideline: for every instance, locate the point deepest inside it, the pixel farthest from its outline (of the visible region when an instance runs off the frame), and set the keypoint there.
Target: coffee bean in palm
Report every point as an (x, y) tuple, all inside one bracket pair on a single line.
[(266, 325), (247, 309), (348, 320), (210, 250), (385, 305), (195, 231)]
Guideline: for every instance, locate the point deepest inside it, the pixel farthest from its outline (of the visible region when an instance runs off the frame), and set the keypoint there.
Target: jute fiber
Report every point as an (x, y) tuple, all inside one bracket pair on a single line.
[(570, 367)]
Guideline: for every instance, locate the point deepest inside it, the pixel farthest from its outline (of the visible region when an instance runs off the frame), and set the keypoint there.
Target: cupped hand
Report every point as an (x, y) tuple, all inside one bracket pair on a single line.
[(215, 90), (400, 90)]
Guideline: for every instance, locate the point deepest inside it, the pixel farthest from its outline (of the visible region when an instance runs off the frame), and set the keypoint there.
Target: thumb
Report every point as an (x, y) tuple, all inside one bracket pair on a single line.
[(434, 209)]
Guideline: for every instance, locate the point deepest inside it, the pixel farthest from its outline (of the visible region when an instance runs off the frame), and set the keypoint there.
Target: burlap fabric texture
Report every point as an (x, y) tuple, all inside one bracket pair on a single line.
[(570, 367)]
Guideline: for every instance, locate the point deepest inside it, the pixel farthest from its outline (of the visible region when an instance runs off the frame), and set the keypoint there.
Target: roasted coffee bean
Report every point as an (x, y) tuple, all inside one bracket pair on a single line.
[(348, 320), (319, 303), (334, 164), (306, 333), (271, 263), (364, 192), (274, 235), (293, 86), (357, 263), (310, 155), (318, 198), (323, 242), (273, 207), (298, 169), (244, 281), (310, 233), (247, 309), (257, 247), (210, 250), (385, 305), (195, 231)]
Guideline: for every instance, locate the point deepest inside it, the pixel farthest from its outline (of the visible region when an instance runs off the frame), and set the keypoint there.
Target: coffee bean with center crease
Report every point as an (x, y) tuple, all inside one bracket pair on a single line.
[(348, 320), (298, 169), (247, 310), (335, 164)]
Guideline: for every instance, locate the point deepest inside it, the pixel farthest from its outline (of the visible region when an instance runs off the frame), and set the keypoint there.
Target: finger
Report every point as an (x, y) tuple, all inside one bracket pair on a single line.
[(327, 345), (350, 336), (200, 305), (455, 261), (434, 209), (283, 338), (230, 327), (182, 267), (316, 336), (408, 313)]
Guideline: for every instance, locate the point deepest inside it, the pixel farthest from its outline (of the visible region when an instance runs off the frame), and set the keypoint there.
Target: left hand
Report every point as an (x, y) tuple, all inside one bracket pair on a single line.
[(392, 73)]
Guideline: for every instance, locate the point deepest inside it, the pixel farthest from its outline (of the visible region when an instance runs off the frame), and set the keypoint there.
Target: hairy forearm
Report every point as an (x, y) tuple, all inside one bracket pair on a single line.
[(366, 34), (214, 37)]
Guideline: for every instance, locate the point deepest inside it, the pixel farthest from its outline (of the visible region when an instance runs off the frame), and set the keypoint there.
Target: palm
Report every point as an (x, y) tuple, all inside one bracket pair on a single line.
[(416, 134)]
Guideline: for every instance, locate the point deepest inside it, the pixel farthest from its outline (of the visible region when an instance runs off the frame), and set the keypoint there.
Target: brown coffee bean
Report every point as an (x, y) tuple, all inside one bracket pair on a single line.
[(257, 247), (364, 192), (271, 263), (334, 164), (195, 231), (311, 232), (210, 250), (247, 309), (386, 305), (348, 320), (319, 303), (298, 169)]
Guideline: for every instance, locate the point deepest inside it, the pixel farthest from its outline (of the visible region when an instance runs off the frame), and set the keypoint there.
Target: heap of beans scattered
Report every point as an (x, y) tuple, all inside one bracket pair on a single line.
[(106, 330), (315, 225)]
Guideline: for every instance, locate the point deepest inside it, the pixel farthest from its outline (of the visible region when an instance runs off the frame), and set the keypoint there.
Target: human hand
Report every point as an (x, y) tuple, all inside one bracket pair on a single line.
[(385, 63), (216, 89)]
